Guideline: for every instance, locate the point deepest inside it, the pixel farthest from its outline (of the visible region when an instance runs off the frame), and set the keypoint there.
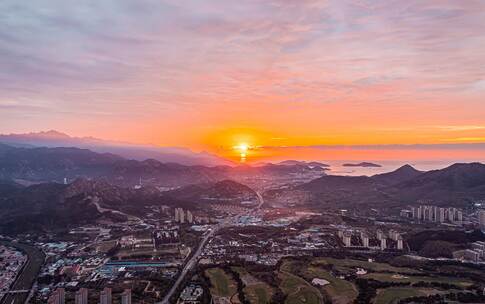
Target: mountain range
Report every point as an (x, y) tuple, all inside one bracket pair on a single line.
[(54, 205), (100, 186), (455, 185), (29, 165), (55, 139), (58, 206)]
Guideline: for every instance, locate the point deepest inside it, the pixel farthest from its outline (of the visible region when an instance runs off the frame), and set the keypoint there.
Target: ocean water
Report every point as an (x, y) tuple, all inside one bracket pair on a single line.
[(337, 168)]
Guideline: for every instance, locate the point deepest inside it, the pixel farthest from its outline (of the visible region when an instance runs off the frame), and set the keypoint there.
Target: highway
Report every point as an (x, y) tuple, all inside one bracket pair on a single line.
[(193, 261)]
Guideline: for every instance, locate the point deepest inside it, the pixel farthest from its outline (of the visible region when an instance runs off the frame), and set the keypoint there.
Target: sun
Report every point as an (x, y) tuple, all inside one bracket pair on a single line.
[(242, 149)]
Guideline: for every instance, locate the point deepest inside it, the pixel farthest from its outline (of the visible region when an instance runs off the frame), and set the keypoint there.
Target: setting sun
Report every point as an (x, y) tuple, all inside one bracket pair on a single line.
[(242, 149)]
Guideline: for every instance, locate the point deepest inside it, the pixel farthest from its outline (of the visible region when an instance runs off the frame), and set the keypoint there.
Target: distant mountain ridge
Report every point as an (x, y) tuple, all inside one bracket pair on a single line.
[(54, 138), (54, 206), (41, 164), (104, 181), (455, 185), (400, 175), (227, 189)]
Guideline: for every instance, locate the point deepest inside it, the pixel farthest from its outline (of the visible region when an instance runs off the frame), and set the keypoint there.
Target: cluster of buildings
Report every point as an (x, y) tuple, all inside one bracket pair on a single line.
[(481, 219), (166, 235), (136, 242), (434, 214), (191, 294), (363, 239), (475, 254), (11, 262), (186, 216), (182, 217), (81, 296)]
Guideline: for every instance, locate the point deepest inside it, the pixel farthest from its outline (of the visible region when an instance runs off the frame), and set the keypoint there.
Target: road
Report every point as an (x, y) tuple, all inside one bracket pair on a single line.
[(193, 261), (26, 278)]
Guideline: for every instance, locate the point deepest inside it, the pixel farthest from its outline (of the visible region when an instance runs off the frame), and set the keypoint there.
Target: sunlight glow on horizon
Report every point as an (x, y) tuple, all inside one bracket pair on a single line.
[(274, 75)]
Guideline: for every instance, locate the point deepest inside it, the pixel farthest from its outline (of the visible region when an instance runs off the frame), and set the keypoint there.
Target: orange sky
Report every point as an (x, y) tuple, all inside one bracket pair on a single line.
[(210, 75)]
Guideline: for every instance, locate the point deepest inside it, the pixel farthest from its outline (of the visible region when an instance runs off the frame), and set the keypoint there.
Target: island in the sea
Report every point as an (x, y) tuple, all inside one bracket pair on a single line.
[(363, 164)]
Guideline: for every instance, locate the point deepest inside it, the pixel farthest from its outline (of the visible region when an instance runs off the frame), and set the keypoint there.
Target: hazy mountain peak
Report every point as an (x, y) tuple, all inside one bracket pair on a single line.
[(407, 167), (54, 138), (48, 134), (399, 175)]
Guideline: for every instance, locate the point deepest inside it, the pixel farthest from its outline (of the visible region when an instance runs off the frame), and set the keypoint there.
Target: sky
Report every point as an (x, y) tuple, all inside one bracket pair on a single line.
[(282, 77)]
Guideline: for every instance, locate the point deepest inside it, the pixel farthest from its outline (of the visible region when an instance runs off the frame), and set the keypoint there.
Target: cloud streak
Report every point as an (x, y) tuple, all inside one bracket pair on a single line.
[(153, 66)]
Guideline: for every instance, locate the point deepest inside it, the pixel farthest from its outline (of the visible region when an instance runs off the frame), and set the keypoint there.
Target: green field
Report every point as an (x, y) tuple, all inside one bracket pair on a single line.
[(258, 294), (29, 272), (394, 294), (388, 277), (298, 290), (222, 283), (345, 265), (341, 291)]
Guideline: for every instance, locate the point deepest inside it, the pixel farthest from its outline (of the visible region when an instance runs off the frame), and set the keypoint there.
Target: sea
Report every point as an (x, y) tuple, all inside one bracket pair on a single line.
[(337, 168)]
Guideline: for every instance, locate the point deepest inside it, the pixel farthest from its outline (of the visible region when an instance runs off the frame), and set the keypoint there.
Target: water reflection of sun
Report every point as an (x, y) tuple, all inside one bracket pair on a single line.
[(242, 149)]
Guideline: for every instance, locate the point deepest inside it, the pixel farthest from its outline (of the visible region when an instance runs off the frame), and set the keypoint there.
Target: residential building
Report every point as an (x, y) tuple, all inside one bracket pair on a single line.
[(383, 244), (57, 297), (126, 297), (481, 219), (400, 243), (105, 296), (81, 296)]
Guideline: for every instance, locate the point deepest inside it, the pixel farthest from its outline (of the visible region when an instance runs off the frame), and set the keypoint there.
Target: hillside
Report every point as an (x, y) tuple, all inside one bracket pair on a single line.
[(456, 185), (58, 206), (400, 175), (35, 165), (226, 190), (343, 191)]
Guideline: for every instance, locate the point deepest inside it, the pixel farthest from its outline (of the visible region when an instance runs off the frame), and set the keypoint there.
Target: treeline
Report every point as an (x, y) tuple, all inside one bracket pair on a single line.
[(368, 290), (461, 297)]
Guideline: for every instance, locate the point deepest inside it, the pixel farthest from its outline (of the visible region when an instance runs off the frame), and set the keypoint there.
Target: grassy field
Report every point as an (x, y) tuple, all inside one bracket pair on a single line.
[(258, 294), (341, 291), (28, 274), (298, 290), (387, 277), (222, 284), (394, 294), (348, 264)]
